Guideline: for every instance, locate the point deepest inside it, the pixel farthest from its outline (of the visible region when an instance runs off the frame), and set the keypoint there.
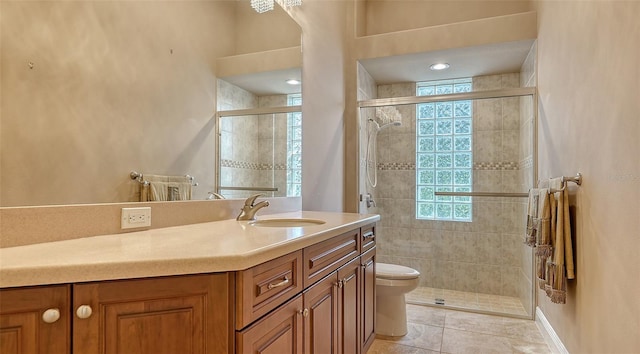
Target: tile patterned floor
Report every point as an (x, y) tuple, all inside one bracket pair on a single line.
[(466, 300), (435, 330)]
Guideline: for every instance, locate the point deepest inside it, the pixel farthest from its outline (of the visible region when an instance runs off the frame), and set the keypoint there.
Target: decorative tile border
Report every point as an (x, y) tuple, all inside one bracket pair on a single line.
[(397, 166), (478, 166), (252, 165), (495, 166)]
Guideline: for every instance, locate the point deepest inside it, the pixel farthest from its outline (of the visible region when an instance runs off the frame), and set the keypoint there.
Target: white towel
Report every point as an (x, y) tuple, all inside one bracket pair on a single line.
[(532, 215)]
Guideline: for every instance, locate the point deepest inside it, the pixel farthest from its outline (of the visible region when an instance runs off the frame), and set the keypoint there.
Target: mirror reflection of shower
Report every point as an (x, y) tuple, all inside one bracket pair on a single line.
[(386, 117)]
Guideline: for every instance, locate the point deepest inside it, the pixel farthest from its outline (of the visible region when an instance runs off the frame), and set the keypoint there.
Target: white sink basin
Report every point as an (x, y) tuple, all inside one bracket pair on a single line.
[(286, 222)]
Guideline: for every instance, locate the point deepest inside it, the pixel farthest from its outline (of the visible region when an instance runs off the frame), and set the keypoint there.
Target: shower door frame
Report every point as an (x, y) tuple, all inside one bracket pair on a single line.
[(477, 95)]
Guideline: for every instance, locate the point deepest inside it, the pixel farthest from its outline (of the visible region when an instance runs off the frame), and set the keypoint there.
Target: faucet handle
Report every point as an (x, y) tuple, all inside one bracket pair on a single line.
[(252, 199)]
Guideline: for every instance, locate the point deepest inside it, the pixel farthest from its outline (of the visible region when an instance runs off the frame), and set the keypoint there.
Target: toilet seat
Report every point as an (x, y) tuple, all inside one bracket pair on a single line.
[(394, 271)]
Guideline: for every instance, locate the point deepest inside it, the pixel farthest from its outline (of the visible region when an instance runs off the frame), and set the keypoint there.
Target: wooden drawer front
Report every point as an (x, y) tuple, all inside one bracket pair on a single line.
[(368, 237), (279, 332), (327, 256), (264, 287)]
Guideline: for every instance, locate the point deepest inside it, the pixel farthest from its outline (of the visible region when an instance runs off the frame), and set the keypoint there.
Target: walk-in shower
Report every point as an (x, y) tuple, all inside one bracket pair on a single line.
[(448, 184)]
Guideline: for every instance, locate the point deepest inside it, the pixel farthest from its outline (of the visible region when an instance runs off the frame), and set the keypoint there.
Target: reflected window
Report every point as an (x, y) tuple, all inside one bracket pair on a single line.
[(294, 147), (444, 157)]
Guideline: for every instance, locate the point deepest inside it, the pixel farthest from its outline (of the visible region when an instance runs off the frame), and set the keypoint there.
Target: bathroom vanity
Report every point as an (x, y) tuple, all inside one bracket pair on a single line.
[(227, 287)]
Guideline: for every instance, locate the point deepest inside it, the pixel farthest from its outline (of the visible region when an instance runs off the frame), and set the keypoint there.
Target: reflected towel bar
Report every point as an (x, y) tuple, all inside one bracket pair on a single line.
[(140, 178), (259, 189)]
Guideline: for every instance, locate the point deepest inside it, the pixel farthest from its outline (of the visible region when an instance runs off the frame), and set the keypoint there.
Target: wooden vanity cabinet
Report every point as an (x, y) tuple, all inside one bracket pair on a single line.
[(35, 320), (335, 311), (320, 299), (182, 314)]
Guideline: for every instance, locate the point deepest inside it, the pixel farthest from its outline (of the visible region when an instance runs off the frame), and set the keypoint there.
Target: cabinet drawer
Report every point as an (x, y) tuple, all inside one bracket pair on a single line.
[(264, 287), (327, 256), (368, 237), (279, 332)]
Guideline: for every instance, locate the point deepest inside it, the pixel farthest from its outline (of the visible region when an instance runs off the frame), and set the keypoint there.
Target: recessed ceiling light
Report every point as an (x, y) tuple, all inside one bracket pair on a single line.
[(293, 82), (439, 66)]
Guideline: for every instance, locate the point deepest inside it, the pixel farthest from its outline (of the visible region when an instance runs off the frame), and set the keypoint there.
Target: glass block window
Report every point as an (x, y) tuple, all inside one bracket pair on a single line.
[(444, 157), (294, 147)]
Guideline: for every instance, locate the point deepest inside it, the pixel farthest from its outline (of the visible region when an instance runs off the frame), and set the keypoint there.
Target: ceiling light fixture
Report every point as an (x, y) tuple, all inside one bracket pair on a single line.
[(262, 6), (293, 82), (439, 66)]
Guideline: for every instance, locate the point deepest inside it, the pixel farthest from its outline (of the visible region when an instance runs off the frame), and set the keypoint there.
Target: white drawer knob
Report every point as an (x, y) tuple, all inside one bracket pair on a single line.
[(84, 311), (51, 315)]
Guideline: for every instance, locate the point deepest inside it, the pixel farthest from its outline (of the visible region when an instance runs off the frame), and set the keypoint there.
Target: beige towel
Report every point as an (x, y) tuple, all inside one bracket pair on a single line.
[(560, 266), (544, 242), (544, 231), (167, 188)]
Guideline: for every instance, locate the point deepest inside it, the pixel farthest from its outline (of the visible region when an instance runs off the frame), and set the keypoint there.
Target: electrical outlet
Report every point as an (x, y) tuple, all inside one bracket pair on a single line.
[(135, 217)]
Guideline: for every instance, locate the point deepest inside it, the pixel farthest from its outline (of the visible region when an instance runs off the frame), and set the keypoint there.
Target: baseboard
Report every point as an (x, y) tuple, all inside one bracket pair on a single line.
[(550, 336)]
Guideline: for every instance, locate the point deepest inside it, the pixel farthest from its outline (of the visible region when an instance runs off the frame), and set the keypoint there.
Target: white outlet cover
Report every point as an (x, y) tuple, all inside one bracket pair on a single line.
[(132, 218)]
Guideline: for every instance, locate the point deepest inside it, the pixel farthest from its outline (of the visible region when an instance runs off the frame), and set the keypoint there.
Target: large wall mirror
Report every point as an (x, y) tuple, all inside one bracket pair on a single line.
[(260, 119), (92, 91)]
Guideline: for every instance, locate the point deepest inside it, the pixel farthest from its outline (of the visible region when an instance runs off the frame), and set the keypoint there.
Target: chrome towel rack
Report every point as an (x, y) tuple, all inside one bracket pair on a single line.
[(577, 179), (259, 189), (140, 178)]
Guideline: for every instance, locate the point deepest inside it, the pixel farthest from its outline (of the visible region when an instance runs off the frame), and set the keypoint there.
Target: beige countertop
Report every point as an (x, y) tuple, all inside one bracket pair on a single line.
[(218, 246)]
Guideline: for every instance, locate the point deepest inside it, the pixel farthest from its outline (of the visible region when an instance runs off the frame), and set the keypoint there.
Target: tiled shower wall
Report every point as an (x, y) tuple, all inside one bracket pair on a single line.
[(253, 149), (485, 255)]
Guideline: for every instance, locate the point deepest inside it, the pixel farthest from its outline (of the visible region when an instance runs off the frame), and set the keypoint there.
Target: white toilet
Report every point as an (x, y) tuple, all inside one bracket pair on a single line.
[(392, 282)]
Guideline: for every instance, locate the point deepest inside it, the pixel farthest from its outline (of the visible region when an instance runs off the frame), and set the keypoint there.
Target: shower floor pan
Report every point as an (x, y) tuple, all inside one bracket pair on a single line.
[(477, 302)]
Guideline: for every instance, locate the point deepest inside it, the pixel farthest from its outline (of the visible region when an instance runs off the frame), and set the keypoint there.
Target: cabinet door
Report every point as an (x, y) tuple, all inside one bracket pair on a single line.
[(182, 314), (28, 321), (368, 299), (321, 316), (348, 309), (280, 332)]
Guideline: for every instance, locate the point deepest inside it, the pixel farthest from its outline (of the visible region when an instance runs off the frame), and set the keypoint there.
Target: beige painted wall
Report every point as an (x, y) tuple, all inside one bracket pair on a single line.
[(115, 87), (265, 31), (589, 82), (324, 33), (397, 15)]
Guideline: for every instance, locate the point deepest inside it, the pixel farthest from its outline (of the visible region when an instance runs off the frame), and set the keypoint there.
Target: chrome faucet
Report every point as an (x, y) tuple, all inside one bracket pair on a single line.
[(248, 211)]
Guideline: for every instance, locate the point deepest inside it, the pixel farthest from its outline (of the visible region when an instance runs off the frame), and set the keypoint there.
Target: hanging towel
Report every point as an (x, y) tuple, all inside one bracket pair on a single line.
[(544, 236), (560, 266), (168, 188), (532, 215)]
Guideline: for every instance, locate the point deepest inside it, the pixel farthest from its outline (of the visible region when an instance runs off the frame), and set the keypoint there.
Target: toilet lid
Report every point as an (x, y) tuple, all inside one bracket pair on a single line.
[(394, 271)]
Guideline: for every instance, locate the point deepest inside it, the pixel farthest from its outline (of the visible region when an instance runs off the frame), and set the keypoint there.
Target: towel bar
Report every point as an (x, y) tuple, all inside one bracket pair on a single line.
[(260, 189), (483, 194), (140, 178)]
